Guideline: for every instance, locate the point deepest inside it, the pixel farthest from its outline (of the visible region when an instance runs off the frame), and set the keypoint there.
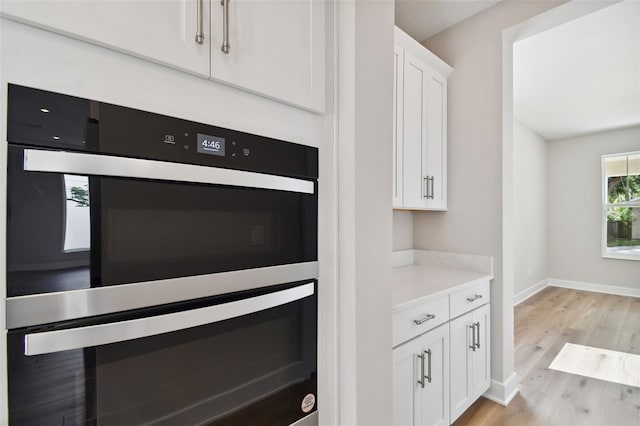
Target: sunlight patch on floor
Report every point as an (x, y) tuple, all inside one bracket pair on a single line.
[(602, 364)]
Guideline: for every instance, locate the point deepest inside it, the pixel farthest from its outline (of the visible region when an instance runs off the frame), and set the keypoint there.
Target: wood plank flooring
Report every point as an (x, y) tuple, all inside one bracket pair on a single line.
[(543, 324)]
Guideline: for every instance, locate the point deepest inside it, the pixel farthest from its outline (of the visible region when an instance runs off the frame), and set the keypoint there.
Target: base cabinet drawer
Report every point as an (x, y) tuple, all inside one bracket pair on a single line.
[(414, 321), (469, 298)]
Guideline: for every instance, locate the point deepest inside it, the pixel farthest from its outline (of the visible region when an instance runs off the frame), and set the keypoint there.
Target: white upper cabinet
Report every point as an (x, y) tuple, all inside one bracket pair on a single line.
[(160, 31), (416, 75), (398, 75), (276, 47), (420, 170)]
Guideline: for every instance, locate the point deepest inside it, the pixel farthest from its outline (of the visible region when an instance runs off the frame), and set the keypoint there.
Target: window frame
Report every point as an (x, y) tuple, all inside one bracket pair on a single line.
[(605, 205)]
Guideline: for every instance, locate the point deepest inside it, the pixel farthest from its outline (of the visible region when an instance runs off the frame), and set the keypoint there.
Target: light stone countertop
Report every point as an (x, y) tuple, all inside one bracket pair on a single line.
[(420, 276)]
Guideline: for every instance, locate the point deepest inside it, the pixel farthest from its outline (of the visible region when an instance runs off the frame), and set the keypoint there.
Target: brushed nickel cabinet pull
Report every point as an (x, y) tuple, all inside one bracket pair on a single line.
[(421, 380), (426, 318), (425, 187), (226, 46), (428, 376), (431, 191), (199, 20), (478, 333), (473, 337), (474, 298)]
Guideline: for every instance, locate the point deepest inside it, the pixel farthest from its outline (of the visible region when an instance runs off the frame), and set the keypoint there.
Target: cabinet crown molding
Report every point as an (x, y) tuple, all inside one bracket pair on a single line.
[(409, 43)]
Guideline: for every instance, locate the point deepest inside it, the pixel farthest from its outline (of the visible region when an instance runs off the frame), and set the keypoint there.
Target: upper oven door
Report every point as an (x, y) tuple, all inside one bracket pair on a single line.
[(79, 221)]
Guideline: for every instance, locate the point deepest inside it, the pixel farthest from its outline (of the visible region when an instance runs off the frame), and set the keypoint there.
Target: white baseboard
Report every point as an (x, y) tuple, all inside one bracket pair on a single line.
[(598, 288), (503, 393), (574, 285), (527, 293)]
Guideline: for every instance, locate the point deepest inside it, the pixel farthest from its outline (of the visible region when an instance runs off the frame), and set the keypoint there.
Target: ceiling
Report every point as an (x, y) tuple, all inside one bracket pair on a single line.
[(578, 78), (581, 77), (423, 18)]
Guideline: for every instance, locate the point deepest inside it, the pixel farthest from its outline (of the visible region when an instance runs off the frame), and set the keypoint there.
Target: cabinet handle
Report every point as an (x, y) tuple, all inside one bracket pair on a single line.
[(431, 191), (428, 317), (428, 376), (421, 380), (226, 46), (425, 187), (474, 298), (473, 337), (199, 23), (478, 333)]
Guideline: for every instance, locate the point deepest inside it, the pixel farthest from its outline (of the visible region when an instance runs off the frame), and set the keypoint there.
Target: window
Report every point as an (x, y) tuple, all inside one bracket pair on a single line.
[(77, 225), (621, 206)]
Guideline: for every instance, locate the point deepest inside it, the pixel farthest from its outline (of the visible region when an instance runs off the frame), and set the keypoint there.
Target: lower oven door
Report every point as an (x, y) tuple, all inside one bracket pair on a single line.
[(241, 359)]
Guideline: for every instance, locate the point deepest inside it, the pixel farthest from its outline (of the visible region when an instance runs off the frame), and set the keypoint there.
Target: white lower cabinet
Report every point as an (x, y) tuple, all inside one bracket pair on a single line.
[(421, 380), (470, 368), (441, 358)]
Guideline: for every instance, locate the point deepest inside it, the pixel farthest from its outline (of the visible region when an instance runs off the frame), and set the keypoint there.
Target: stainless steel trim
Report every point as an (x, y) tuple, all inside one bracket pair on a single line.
[(478, 333), (199, 20), (474, 298), (427, 317), (310, 420), (93, 164), (473, 337), (421, 381), (428, 376), (23, 311), (226, 46), (102, 334)]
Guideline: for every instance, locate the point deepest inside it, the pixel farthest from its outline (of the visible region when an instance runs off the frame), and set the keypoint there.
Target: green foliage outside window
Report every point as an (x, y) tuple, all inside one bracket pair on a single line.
[(622, 189)]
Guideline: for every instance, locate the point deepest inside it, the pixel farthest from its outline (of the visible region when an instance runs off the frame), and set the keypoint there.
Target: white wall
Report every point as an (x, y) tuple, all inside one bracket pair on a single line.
[(365, 129), (473, 223), (530, 207), (402, 230), (575, 218)]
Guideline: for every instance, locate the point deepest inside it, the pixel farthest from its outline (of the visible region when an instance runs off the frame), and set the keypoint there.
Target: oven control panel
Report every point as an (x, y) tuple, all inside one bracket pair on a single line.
[(52, 120)]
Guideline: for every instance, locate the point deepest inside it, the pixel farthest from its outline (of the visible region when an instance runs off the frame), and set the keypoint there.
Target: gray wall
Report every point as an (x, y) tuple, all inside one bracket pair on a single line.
[(402, 230), (473, 223), (575, 194), (530, 207)]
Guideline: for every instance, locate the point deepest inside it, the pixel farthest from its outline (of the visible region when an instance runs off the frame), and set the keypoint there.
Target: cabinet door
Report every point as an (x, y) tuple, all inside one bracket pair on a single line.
[(461, 364), (276, 49), (436, 168), (481, 370), (160, 31), (421, 380), (406, 373), (398, 58), (414, 132), (432, 405)]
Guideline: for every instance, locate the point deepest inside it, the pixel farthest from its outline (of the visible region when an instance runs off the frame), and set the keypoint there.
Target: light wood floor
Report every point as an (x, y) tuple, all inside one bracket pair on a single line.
[(543, 324)]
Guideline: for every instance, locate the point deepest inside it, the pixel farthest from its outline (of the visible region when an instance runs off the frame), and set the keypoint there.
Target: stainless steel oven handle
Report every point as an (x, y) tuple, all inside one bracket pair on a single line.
[(45, 308), (94, 335), (36, 160)]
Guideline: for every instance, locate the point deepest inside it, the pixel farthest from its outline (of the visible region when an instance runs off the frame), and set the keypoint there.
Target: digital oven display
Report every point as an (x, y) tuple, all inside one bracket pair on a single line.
[(212, 145)]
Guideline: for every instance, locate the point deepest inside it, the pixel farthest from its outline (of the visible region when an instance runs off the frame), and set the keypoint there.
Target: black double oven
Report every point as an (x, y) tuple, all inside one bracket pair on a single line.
[(159, 271)]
